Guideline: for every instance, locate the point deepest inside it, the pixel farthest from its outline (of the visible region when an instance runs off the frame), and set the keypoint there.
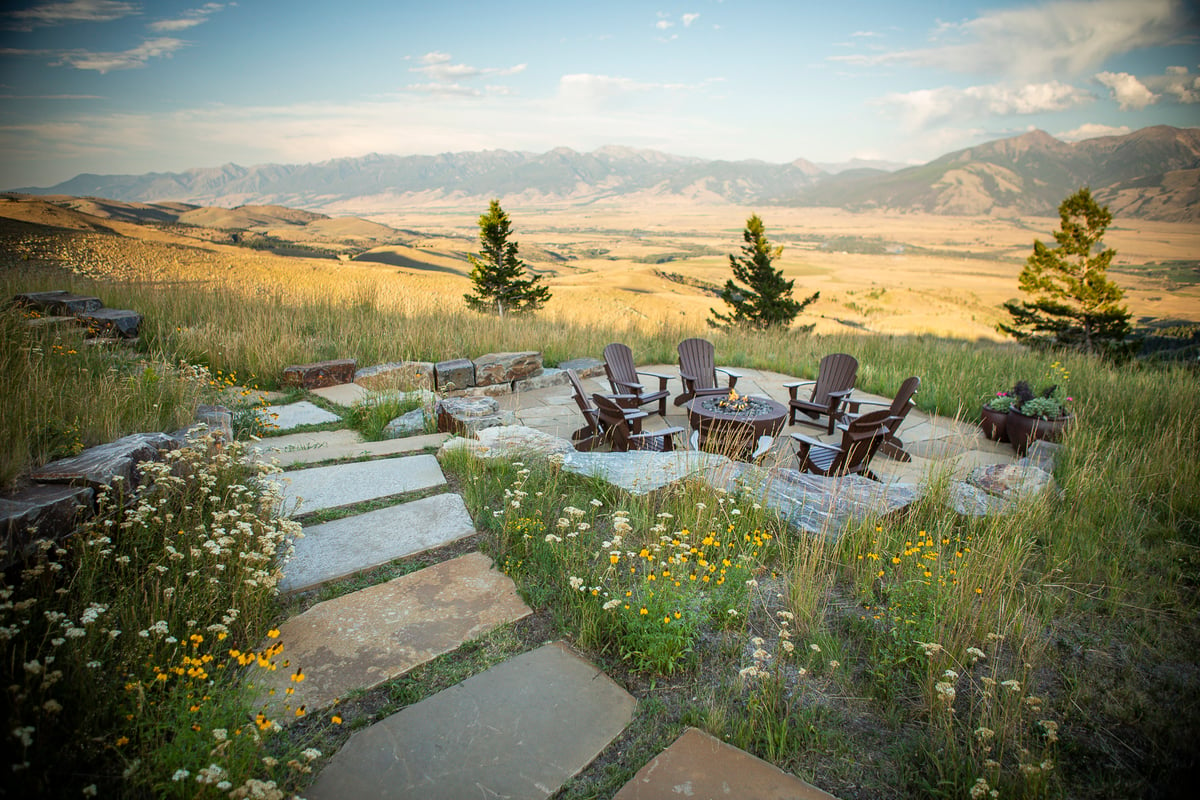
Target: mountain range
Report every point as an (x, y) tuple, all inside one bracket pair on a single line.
[(1153, 173)]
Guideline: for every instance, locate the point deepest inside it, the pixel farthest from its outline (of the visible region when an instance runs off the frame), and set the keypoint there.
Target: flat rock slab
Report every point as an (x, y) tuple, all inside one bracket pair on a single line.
[(293, 415), (510, 441), (122, 322), (640, 472), (307, 448), (59, 302), (51, 511), (704, 768), (346, 484), (518, 730), (360, 640), (322, 373), (101, 465), (343, 547), (343, 394)]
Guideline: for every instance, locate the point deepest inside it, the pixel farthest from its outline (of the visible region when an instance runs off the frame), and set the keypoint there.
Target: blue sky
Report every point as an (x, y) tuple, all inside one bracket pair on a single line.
[(121, 86)]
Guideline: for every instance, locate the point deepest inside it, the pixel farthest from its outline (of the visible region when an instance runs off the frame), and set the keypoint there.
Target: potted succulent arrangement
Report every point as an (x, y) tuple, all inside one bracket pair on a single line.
[(1043, 415), (995, 415)]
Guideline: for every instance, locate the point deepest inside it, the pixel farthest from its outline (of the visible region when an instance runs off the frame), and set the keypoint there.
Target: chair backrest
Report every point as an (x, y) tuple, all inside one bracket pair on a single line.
[(697, 358), (618, 365), (903, 401), (860, 440), (836, 373), (611, 418), (581, 399)]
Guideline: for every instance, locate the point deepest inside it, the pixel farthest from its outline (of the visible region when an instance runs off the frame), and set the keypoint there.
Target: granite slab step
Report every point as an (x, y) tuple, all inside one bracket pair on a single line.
[(700, 766), (362, 639), (343, 547), (519, 730), (292, 415), (317, 488), (306, 448), (343, 394)]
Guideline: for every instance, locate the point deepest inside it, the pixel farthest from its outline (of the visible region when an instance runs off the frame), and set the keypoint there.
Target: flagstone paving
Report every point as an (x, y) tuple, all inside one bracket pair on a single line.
[(293, 415), (702, 767), (317, 488), (345, 546), (343, 394), (307, 448), (362, 639), (518, 730)]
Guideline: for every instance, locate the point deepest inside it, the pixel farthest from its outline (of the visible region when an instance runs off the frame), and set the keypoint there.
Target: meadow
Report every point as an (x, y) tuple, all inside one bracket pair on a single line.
[(1047, 653)]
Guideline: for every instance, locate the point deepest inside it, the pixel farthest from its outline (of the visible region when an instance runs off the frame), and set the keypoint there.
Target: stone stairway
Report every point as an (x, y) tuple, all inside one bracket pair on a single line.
[(520, 729)]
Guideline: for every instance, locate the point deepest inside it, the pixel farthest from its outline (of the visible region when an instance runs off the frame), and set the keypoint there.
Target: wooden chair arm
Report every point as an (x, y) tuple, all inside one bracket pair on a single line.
[(792, 387), (636, 387), (807, 443), (662, 379), (733, 376), (853, 405)]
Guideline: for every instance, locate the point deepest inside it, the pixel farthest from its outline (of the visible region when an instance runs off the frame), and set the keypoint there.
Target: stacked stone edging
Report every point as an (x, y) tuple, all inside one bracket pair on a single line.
[(85, 310)]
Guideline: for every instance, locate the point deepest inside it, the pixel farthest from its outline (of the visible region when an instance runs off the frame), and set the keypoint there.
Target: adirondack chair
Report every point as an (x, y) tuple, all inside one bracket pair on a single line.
[(623, 375), (623, 427), (595, 432), (892, 446), (860, 439), (698, 370), (831, 390)]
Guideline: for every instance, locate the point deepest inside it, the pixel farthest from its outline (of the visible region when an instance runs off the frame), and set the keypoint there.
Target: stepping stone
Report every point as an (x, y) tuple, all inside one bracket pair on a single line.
[(293, 415), (345, 546), (343, 394), (518, 730), (362, 639), (346, 484), (700, 766), (306, 448)]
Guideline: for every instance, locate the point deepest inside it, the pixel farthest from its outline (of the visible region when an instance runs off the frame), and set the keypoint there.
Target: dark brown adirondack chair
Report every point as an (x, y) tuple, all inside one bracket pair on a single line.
[(595, 432), (698, 370), (860, 439), (892, 446), (831, 390), (623, 427), (623, 375)]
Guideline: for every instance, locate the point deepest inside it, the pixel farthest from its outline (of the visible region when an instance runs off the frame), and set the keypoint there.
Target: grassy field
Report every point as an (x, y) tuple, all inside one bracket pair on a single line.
[(1049, 653)]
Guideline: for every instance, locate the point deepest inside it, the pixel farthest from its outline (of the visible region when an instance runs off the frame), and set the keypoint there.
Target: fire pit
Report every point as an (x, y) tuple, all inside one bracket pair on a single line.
[(732, 423)]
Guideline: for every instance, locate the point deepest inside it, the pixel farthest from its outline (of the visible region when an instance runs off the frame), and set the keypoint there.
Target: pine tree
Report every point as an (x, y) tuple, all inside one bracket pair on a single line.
[(1074, 304), (498, 274), (765, 301)]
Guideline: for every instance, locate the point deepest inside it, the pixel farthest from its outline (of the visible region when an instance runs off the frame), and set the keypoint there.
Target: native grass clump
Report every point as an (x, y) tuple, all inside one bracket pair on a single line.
[(126, 645)]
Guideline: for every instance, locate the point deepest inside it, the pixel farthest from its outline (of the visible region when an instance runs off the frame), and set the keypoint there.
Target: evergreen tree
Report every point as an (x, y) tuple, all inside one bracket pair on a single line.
[(1074, 304), (765, 300), (498, 274)]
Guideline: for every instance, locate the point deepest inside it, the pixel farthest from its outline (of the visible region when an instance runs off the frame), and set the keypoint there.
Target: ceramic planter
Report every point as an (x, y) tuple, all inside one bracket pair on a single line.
[(1023, 430), (994, 424)]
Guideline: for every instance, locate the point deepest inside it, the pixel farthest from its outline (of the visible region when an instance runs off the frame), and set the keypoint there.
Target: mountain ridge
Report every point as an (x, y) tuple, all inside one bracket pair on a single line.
[(1151, 173)]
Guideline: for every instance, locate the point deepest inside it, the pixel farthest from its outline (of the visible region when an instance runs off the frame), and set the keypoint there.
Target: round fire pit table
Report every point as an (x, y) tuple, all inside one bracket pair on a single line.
[(735, 430)]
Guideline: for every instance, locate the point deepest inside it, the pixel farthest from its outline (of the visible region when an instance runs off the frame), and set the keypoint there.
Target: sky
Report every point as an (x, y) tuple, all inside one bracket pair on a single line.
[(127, 87)]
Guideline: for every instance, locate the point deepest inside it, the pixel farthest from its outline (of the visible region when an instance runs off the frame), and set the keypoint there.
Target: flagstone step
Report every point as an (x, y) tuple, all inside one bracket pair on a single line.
[(319, 488), (698, 765), (343, 547), (293, 415), (518, 730), (306, 448), (362, 639)]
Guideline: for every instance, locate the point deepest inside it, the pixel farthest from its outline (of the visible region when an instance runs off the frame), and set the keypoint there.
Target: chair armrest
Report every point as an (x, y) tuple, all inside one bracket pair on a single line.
[(808, 441), (853, 405), (636, 388), (662, 379), (632, 414), (686, 378), (792, 387), (733, 376)]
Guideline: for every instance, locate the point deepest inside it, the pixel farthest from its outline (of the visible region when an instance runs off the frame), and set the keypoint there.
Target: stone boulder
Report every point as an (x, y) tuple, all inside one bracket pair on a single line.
[(40, 512), (501, 368), (550, 376), (113, 322), (641, 472), (396, 375), (409, 424), (466, 416), (454, 375), (509, 441), (585, 367), (320, 374), (218, 419), (1011, 481), (59, 303), (102, 465)]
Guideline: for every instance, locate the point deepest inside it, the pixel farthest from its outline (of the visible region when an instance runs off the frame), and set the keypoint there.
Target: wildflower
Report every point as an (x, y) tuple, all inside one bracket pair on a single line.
[(311, 753), (1011, 685), (335, 719), (834, 664), (89, 790), (816, 648), (945, 691), (552, 539), (1051, 729), (975, 653), (983, 734), (980, 789), (788, 646), (596, 503), (220, 734), (950, 675), (180, 775), (576, 583)]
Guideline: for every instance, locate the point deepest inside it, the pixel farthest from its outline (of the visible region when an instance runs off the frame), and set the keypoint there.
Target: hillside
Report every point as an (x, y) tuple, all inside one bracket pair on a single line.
[(1149, 174)]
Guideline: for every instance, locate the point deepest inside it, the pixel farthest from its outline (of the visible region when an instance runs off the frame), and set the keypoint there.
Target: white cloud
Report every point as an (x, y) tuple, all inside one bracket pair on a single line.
[(190, 18), (1062, 37), (927, 108), (1177, 83), (128, 59), (596, 90), (438, 67), (1092, 130), (1127, 90), (663, 24), (456, 89), (688, 19), (60, 13)]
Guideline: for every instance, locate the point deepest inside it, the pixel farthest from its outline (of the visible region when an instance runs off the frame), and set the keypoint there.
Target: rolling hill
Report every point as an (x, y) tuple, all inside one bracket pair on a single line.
[(1153, 173)]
